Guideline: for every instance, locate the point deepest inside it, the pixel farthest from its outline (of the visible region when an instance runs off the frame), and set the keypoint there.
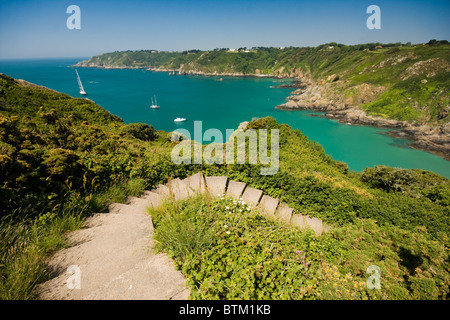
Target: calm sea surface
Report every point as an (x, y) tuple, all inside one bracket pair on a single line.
[(222, 105)]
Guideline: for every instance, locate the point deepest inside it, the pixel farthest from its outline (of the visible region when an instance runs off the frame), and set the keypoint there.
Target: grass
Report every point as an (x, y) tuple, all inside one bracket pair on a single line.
[(178, 231), (26, 244)]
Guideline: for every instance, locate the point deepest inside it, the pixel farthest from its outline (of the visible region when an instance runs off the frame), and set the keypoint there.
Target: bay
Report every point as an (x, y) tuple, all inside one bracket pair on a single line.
[(221, 103)]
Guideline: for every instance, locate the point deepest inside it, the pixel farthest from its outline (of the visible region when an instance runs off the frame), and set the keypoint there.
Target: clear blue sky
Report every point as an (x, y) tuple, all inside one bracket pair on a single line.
[(37, 28)]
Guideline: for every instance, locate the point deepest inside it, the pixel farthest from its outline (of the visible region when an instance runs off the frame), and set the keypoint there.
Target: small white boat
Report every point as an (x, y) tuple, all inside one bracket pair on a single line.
[(154, 104), (80, 84), (179, 119)]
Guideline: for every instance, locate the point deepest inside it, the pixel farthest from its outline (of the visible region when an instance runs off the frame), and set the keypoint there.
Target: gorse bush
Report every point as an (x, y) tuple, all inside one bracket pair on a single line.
[(52, 144), (414, 183), (140, 131)]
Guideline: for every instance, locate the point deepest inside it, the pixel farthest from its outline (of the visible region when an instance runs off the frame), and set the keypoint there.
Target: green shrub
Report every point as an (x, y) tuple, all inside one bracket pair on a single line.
[(140, 131), (412, 182)]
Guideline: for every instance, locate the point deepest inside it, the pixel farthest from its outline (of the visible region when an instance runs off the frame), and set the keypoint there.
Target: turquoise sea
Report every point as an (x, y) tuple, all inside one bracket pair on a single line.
[(222, 105)]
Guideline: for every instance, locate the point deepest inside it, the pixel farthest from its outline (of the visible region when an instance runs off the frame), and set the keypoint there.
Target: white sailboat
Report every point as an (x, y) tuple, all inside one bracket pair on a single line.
[(80, 84), (154, 104)]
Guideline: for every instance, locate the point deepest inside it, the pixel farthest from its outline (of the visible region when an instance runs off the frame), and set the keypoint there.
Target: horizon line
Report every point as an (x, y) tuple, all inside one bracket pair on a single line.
[(285, 47)]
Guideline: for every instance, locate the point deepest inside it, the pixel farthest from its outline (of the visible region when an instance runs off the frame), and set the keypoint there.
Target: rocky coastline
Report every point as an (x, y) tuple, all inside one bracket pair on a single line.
[(183, 71), (319, 97), (86, 64)]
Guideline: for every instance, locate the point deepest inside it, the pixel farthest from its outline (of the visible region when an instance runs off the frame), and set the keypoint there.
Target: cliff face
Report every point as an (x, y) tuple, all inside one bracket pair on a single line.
[(421, 112)]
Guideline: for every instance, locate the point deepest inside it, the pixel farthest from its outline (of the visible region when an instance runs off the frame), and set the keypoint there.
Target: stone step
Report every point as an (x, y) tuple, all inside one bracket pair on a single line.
[(268, 205), (155, 199), (142, 202), (179, 189), (305, 222), (162, 190), (252, 196), (147, 280), (125, 208), (216, 185), (196, 183), (315, 224), (298, 220), (235, 189), (219, 185), (284, 213)]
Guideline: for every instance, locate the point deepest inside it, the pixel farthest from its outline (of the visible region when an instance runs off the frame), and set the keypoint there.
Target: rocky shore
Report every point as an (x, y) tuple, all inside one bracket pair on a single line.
[(185, 71), (182, 71), (323, 98), (86, 64)]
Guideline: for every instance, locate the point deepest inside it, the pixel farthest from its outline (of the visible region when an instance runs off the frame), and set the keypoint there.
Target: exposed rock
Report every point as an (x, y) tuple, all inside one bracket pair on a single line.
[(429, 68), (443, 113), (328, 98), (290, 105), (392, 61), (243, 125)]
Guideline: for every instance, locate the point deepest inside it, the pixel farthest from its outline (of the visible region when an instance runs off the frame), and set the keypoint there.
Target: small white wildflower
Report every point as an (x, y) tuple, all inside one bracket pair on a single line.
[(227, 208), (228, 232), (225, 226), (240, 210), (248, 209)]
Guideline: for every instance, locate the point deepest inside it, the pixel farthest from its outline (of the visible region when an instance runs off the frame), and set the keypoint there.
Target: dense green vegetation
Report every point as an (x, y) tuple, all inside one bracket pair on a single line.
[(63, 158), (227, 251), (393, 218), (53, 144)]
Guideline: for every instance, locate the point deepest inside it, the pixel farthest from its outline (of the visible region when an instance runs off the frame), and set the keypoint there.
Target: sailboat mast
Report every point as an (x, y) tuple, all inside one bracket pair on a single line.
[(79, 82)]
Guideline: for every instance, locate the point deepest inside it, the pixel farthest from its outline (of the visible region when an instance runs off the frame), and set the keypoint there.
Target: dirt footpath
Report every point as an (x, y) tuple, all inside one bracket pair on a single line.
[(112, 258)]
